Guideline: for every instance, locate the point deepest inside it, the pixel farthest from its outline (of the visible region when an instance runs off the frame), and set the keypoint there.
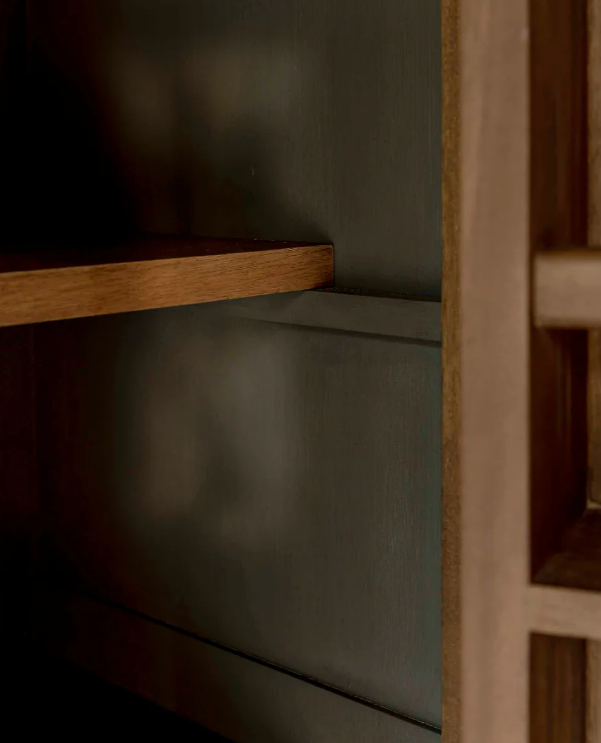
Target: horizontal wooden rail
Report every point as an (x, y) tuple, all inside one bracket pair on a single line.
[(567, 288), (565, 612), (150, 273)]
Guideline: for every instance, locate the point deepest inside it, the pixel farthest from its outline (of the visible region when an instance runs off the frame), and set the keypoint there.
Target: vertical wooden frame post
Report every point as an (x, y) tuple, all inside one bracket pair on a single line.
[(489, 287), (515, 412), (494, 259)]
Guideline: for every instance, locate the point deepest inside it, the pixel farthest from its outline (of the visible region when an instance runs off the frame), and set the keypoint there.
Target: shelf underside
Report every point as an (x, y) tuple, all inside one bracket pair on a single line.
[(58, 283)]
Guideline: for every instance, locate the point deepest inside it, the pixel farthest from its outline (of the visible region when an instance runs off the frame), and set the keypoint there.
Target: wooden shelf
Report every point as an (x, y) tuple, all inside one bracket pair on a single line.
[(54, 283), (567, 288)]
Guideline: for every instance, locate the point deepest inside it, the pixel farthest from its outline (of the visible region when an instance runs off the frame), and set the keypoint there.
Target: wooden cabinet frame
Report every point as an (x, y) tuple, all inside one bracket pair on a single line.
[(522, 546)]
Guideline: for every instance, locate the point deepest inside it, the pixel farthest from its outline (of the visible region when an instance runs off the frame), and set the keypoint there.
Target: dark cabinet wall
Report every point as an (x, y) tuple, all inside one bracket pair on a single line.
[(283, 119), (269, 487), (272, 488)]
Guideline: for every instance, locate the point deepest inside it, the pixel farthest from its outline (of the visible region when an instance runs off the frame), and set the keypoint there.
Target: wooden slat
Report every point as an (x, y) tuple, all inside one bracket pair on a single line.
[(494, 248), (567, 286), (153, 273), (565, 612)]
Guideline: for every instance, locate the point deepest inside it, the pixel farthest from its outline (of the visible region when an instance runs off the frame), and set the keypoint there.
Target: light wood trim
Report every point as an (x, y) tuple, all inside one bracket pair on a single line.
[(567, 286), (522, 162), (494, 266), (50, 287), (566, 612)]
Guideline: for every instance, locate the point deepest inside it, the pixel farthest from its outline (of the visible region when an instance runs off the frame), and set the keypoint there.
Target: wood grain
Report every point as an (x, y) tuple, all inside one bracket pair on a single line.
[(523, 186), (567, 287), (558, 218), (494, 266), (451, 423), (152, 274), (558, 120), (558, 439), (594, 348), (593, 687), (565, 612), (594, 238), (557, 689), (594, 417), (594, 121)]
